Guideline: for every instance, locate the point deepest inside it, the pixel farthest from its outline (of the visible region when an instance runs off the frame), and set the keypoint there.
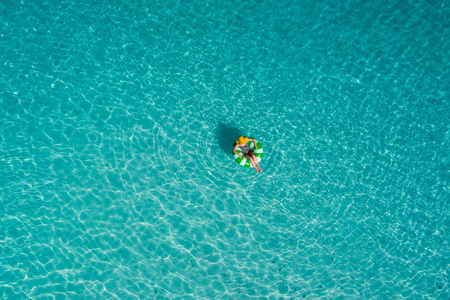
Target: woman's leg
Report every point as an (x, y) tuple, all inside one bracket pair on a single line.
[(254, 161), (250, 158)]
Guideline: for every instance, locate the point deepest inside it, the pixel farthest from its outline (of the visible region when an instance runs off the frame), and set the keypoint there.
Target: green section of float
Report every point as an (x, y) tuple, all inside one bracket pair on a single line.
[(244, 161)]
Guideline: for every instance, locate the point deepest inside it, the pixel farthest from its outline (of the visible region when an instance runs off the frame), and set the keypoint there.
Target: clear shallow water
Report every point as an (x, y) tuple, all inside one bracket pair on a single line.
[(116, 125)]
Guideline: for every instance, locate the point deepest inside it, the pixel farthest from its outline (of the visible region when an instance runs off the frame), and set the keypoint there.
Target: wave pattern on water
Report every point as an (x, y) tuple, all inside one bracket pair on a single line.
[(117, 123)]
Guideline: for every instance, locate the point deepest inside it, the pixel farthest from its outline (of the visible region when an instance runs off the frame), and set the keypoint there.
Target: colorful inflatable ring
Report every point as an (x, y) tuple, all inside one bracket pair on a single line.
[(244, 161)]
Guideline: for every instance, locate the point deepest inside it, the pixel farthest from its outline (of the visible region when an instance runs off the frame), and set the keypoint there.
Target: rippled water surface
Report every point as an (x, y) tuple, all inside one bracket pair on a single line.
[(117, 121)]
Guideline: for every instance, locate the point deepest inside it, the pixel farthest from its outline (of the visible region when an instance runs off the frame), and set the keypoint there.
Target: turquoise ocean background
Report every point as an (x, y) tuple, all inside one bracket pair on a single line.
[(117, 120)]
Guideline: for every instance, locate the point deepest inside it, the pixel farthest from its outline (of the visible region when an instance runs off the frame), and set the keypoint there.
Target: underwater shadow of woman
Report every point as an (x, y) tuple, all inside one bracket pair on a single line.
[(226, 137)]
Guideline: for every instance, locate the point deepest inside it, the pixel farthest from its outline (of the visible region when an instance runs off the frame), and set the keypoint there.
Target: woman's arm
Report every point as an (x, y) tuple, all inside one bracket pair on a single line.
[(234, 150), (256, 147)]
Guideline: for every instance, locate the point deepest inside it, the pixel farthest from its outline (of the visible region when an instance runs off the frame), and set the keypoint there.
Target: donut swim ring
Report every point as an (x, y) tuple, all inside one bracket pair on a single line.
[(244, 161)]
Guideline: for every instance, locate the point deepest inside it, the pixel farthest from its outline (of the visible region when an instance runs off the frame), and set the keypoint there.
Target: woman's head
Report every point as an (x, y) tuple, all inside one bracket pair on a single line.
[(242, 140)]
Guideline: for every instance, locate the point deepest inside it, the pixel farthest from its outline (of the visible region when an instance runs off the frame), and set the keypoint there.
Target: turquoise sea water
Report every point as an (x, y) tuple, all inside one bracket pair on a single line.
[(117, 121)]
